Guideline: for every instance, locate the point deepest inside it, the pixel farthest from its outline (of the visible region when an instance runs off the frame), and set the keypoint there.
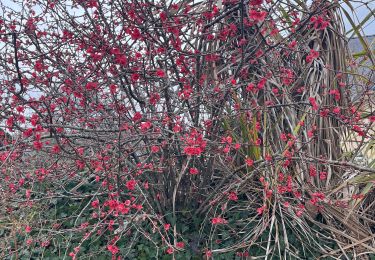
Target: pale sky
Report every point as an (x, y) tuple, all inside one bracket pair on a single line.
[(361, 11)]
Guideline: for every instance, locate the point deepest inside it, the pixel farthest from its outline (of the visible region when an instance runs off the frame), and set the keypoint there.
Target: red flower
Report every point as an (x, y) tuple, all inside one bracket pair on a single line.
[(113, 88), (113, 249), (180, 244), (313, 103), (193, 171), (72, 255), (249, 162), (257, 16), (95, 203), (359, 130), (121, 59), (299, 213), (160, 73), (256, 2), (177, 128), (92, 86), (258, 142), (163, 16), (55, 149), (135, 76), (28, 132), (39, 66), (287, 76), (92, 3), (218, 220), (261, 210), (312, 171), (112, 204), (122, 209), (227, 139), (154, 98), (292, 44), (323, 175), (212, 57), (167, 226), (34, 119), (80, 151), (28, 194), (136, 34), (336, 110), (250, 87), (80, 164), (155, 149), (262, 83), (38, 145), (312, 55), (27, 229), (130, 185), (137, 116), (146, 125), (268, 158), (186, 92), (232, 196)]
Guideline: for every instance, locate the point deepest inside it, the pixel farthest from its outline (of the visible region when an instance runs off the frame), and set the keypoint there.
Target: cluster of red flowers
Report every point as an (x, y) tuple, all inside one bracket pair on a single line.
[(218, 220), (257, 16), (312, 55), (319, 22), (194, 143)]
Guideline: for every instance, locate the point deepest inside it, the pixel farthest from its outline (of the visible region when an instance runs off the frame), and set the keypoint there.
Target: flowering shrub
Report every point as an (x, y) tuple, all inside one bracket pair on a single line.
[(174, 130)]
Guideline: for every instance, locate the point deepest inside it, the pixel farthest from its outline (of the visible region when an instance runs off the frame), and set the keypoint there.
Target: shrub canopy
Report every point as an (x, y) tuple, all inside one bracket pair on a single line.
[(183, 129)]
